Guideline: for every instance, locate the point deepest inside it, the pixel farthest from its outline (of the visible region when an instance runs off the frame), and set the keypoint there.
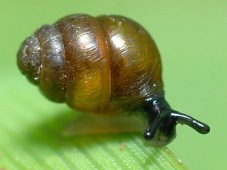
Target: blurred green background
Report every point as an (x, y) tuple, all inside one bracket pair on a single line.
[(192, 40)]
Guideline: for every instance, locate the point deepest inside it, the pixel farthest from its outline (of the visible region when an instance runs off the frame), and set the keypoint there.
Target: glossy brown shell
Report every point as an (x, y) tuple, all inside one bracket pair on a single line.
[(93, 64)]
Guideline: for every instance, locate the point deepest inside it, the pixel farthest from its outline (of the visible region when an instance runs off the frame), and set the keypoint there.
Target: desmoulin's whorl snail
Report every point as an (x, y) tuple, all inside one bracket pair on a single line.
[(101, 65)]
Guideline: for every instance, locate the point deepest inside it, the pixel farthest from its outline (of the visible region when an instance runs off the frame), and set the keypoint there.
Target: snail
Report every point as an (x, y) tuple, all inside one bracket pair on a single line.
[(103, 65)]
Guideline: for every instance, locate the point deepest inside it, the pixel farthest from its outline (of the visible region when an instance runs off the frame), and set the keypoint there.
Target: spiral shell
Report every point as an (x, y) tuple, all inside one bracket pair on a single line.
[(93, 64)]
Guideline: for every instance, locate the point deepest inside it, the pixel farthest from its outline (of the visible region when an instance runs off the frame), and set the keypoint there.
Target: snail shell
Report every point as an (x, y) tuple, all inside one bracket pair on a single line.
[(93, 64)]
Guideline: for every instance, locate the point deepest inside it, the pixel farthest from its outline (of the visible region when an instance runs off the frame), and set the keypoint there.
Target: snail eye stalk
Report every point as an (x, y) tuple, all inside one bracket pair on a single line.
[(197, 125)]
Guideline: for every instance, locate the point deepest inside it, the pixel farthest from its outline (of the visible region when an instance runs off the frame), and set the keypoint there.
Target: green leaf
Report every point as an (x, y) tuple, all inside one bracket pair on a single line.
[(36, 134)]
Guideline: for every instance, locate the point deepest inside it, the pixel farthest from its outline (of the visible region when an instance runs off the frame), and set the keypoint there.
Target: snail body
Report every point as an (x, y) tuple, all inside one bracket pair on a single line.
[(102, 65)]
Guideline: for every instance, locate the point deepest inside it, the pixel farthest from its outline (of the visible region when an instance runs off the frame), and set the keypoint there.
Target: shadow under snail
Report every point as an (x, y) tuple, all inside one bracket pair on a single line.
[(103, 64)]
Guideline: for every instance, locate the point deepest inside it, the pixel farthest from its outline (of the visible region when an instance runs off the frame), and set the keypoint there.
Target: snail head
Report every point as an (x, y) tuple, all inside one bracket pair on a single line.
[(162, 122)]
